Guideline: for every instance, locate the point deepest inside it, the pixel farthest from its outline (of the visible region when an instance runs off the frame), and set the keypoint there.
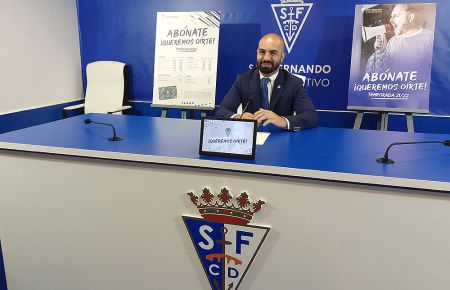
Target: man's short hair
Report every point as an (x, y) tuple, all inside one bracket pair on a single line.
[(411, 8)]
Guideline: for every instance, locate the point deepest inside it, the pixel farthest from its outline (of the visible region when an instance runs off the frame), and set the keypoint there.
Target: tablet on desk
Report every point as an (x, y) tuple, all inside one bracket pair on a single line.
[(223, 137)]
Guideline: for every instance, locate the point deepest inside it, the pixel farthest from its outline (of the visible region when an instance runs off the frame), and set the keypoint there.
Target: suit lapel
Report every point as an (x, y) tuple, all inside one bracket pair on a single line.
[(255, 90), (277, 89)]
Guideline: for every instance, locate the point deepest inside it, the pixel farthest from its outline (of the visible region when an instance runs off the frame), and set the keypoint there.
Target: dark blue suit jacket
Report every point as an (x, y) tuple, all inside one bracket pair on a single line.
[(288, 96)]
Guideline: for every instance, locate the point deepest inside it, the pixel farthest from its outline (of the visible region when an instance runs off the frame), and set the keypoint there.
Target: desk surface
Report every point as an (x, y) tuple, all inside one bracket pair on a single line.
[(320, 153)]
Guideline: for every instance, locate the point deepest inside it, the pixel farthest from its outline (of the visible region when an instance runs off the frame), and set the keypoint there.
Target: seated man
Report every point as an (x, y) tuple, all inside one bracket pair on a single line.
[(268, 94)]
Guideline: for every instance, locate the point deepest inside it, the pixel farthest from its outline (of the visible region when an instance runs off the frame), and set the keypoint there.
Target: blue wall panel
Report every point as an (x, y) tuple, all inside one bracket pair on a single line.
[(125, 31), (33, 117), (343, 119), (2, 271)]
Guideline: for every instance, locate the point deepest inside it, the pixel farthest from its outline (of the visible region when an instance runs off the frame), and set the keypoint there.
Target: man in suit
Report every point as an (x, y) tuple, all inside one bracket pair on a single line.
[(272, 94)]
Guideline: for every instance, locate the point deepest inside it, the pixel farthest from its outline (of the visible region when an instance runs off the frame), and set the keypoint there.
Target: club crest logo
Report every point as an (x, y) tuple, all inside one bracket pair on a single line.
[(290, 16), (226, 245)]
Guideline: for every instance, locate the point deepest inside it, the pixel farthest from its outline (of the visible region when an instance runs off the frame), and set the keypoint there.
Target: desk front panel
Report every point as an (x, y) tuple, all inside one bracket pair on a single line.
[(79, 223)]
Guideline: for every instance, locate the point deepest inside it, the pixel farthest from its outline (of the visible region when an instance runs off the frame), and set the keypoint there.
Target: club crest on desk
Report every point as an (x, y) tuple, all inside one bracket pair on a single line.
[(225, 244)]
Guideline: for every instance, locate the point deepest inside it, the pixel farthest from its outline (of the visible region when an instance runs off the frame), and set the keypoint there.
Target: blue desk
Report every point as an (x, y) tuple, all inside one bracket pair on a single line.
[(322, 153), (80, 212)]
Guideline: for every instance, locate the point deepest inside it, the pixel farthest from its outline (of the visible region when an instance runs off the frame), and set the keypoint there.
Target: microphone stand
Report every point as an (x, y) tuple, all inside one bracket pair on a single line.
[(114, 137), (385, 159), (250, 99)]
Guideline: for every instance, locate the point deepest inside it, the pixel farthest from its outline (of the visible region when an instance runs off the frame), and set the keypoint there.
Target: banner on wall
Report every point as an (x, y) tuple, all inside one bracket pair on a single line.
[(391, 57), (291, 16), (186, 51)]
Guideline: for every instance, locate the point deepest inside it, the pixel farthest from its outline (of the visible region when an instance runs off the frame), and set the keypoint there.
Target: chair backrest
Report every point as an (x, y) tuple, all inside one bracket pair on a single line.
[(106, 87)]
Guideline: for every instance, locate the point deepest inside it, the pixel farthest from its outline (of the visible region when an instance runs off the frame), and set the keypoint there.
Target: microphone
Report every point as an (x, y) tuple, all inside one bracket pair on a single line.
[(385, 159), (114, 137), (250, 99)]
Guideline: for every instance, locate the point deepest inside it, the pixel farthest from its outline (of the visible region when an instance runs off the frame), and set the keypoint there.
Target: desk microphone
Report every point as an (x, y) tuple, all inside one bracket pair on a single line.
[(250, 99), (385, 159), (114, 137)]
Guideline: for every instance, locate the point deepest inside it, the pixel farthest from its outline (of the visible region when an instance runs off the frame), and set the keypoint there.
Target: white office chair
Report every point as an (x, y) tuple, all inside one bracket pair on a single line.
[(107, 88)]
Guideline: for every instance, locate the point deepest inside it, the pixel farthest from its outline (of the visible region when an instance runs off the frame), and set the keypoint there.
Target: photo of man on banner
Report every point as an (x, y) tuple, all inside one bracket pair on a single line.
[(409, 47), (391, 57)]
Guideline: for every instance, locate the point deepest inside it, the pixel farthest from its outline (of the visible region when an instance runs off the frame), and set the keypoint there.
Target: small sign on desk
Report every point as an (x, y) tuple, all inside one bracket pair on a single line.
[(223, 137)]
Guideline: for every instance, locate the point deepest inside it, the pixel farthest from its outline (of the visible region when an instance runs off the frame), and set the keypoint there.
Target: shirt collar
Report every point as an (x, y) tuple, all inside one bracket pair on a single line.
[(272, 77), (419, 31)]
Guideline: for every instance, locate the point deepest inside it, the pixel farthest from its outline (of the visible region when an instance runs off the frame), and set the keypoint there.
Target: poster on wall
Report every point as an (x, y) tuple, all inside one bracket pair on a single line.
[(391, 57), (186, 51)]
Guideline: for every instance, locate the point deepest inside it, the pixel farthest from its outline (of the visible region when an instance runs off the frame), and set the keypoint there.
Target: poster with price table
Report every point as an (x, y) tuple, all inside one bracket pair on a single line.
[(186, 51)]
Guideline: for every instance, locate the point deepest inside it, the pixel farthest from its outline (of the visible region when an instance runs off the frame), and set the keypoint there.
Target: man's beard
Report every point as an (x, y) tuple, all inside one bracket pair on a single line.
[(398, 29), (268, 70)]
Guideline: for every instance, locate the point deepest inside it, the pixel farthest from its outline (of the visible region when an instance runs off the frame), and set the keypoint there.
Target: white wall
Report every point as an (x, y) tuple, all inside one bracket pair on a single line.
[(39, 54)]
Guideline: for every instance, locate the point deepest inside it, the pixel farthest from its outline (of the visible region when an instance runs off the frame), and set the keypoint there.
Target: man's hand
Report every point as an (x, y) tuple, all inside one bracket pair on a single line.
[(266, 117), (246, 115), (380, 42)]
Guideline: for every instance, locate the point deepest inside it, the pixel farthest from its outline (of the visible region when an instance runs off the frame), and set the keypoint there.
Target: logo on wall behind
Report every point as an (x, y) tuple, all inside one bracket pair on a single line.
[(226, 245), (290, 16)]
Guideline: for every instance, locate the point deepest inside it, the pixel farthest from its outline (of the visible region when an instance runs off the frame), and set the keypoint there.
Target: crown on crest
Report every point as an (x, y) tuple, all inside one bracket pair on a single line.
[(222, 208)]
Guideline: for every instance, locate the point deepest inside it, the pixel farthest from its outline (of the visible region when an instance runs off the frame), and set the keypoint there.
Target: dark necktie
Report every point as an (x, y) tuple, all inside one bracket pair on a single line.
[(265, 93)]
